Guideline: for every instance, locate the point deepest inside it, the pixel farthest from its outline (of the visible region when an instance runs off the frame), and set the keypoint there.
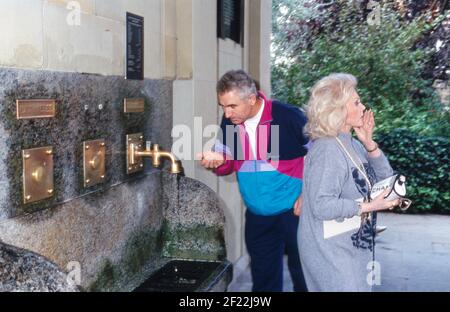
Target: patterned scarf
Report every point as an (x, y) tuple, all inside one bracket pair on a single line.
[(364, 238)]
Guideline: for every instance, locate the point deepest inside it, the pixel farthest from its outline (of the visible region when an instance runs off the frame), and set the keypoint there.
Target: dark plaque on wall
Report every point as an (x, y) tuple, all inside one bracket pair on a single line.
[(135, 47), (230, 19)]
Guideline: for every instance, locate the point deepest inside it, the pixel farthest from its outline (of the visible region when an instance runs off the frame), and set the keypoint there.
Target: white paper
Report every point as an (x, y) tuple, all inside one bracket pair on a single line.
[(333, 228)]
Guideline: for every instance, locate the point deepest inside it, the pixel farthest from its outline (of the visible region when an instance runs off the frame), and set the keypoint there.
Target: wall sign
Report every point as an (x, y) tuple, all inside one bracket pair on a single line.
[(135, 47)]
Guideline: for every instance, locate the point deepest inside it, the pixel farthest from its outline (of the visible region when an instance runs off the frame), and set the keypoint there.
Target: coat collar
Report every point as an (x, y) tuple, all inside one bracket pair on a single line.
[(266, 116)]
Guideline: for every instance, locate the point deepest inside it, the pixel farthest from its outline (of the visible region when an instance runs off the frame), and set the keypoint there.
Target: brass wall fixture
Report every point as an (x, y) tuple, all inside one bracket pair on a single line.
[(39, 108), (37, 174), (134, 105), (135, 163), (93, 162), (135, 153)]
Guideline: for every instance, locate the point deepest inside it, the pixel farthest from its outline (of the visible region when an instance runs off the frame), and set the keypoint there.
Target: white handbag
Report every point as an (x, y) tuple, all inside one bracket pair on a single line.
[(396, 183), (397, 186)]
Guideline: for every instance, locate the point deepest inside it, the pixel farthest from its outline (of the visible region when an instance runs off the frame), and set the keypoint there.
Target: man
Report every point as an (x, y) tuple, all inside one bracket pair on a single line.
[(262, 141)]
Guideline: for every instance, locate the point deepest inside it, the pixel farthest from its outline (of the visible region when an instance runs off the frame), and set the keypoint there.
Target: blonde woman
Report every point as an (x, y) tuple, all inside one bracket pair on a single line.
[(337, 223)]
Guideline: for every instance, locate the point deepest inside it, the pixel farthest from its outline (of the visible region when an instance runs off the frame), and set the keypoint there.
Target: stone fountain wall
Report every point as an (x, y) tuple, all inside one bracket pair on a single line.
[(117, 232), (88, 107)]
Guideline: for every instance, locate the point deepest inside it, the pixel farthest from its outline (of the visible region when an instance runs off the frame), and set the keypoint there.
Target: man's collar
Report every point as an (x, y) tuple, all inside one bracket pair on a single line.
[(267, 112)]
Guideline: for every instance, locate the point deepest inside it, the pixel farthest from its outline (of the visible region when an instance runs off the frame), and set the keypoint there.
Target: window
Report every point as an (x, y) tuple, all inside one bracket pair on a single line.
[(230, 20)]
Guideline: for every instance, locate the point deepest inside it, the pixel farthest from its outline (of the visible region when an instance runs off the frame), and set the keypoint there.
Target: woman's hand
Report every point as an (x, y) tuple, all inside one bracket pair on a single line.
[(380, 203), (365, 132)]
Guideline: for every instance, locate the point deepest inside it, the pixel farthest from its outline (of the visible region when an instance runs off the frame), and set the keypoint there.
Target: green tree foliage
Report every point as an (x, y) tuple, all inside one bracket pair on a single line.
[(425, 162), (312, 40)]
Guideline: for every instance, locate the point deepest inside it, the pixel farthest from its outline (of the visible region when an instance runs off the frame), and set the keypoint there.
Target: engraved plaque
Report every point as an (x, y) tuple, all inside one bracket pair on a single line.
[(136, 105), (37, 174), (94, 162), (27, 109), (135, 46), (134, 142)]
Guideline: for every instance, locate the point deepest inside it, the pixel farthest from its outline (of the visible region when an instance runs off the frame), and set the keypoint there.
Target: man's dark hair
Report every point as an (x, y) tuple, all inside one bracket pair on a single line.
[(237, 80)]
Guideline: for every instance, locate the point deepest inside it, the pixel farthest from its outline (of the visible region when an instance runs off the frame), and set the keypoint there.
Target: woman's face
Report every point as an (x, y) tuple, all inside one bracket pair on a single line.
[(355, 112)]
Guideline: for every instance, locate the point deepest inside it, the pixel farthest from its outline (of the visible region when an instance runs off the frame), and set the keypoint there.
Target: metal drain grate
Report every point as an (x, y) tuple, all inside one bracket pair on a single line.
[(179, 276)]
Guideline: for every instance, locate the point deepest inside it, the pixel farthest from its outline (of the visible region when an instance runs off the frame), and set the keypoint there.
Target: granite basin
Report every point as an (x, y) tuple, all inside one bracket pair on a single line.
[(179, 275)]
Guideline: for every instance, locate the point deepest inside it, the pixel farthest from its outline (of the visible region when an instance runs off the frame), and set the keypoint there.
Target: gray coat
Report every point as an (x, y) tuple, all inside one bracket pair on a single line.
[(328, 220)]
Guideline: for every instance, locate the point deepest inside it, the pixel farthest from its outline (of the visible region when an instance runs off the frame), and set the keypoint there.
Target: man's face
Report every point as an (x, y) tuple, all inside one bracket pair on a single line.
[(235, 108)]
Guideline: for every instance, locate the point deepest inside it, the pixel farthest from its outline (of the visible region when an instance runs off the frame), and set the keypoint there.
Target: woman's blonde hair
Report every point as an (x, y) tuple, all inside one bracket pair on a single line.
[(326, 109)]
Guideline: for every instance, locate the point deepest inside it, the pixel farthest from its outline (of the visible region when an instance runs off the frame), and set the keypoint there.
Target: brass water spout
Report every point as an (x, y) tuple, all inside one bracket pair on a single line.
[(156, 154)]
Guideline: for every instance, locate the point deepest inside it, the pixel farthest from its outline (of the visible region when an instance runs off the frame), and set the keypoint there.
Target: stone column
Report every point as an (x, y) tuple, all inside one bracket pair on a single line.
[(260, 29)]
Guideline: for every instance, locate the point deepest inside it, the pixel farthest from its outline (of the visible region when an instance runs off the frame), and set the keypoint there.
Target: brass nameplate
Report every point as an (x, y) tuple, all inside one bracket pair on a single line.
[(134, 143), (136, 105), (27, 109), (93, 162), (37, 174)]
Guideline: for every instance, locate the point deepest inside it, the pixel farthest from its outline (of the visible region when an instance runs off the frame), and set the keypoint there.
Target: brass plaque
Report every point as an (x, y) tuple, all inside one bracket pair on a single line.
[(37, 174), (134, 163), (27, 109), (136, 105), (93, 162)]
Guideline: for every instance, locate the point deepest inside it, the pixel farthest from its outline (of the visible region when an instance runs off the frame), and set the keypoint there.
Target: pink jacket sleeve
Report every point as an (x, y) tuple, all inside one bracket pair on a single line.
[(226, 169)]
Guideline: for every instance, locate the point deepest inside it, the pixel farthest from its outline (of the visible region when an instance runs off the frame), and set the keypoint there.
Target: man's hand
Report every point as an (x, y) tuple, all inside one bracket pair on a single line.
[(211, 160), (298, 206)]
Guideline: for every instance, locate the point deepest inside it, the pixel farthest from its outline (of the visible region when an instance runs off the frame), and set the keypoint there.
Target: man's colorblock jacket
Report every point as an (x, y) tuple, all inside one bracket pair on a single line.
[(271, 182)]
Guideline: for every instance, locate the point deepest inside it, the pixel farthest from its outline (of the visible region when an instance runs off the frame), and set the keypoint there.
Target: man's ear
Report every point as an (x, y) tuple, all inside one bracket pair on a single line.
[(252, 98)]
